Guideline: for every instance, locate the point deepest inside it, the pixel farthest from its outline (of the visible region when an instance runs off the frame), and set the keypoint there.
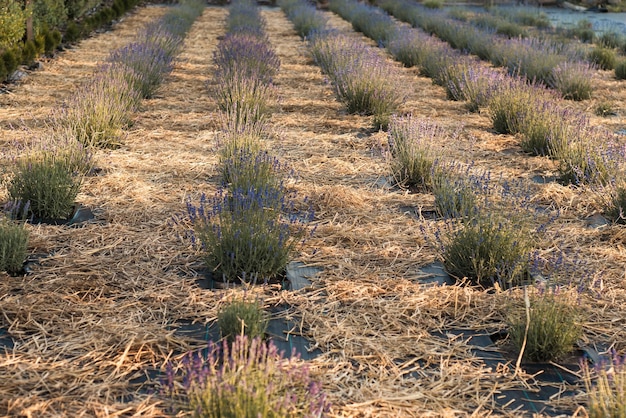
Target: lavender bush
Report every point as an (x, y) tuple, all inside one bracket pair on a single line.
[(573, 80), (304, 16), (13, 244), (553, 329), (242, 317), (362, 79), (245, 379), (148, 62), (606, 387), (248, 235), (249, 170), (613, 198), (245, 55), (620, 69), (244, 17), (413, 145), (100, 109)]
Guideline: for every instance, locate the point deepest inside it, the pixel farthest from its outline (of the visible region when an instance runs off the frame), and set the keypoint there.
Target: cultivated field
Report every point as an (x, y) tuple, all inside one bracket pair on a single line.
[(89, 330)]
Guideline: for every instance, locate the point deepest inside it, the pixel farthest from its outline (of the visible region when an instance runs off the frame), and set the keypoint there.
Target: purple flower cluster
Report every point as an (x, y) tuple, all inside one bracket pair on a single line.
[(247, 378), (304, 16)]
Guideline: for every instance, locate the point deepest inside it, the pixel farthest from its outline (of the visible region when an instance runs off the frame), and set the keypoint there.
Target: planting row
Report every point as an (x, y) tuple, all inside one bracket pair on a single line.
[(45, 173)]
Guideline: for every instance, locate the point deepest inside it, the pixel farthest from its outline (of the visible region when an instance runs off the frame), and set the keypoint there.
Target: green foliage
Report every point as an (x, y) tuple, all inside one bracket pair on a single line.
[(12, 22), (488, 248), (553, 327), (13, 245), (604, 109), (583, 30), (611, 39), (606, 387), (620, 69), (3, 71), (11, 60), (29, 53), (511, 106), (72, 33), (511, 30), (99, 110), (44, 178), (433, 4), (604, 57), (48, 15), (241, 317), (52, 39)]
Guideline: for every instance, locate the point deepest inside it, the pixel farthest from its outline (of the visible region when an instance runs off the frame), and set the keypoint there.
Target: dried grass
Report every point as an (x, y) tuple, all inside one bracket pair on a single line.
[(102, 307)]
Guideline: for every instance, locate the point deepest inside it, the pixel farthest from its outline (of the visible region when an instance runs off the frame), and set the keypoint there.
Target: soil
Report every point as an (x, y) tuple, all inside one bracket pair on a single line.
[(100, 311)]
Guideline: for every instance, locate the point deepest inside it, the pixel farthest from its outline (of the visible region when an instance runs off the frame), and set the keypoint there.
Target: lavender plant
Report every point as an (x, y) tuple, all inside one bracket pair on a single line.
[(477, 86), (620, 69), (246, 55), (515, 101), (244, 17), (248, 235), (13, 244), (148, 62), (553, 325), (245, 379), (304, 16), (589, 156), (605, 384), (413, 144), (573, 80), (246, 170), (455, 195), (99, 110), (242, 317), (603, 57), (614, 201)]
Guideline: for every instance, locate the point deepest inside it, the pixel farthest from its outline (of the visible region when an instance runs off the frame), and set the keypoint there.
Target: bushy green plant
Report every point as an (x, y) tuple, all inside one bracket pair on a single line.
[(587, 157), (12, 22), (611, 39), (604, 109), (13, 245), (553, 326), (48, 15), (433, 4), (248, 378), (249, 170), (11, 61), (44, 180), (488, 248), (52, 39), (573, 80), (604, 57), (413, 145), (455, 198), (241, 317), (512, 105), (247, 235), (72, 33), (620, 69), (606, 387), (100, 109), (29, 52), (583, 31)]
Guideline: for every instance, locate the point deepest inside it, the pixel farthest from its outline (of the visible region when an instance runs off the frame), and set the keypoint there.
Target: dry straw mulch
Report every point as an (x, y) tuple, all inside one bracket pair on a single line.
[(102, 308)]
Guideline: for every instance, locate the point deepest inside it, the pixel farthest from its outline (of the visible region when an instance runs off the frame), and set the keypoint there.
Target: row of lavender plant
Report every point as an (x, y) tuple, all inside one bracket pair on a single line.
[(247, 232), (44, 173), (488, 237), (516, 106), (559, 66)]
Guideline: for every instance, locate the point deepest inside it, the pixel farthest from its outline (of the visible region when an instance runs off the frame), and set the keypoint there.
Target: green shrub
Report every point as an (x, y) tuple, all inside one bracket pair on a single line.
[(52, 39), (239, 318), (12, 22), (554, 326), (248, 235), (72, 33), (513, 104), (488, 248), (11, 61), (3, 71), (583, 30), (13, 245), (511, 30), (48, 14), (433, 4), (606, 387), (29, 53), (100, 110), (246, 170), (604, 57), (413, 146), (611, 39), (604, 109), (620, 69), (47, 184)]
